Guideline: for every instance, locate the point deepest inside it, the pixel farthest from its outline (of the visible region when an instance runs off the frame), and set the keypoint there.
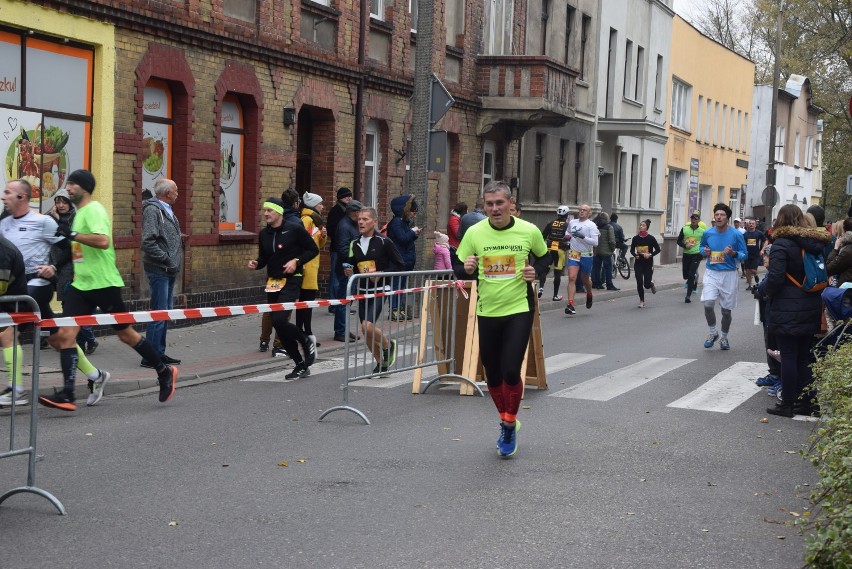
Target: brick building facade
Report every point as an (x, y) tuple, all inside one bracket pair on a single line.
[(310, 105)]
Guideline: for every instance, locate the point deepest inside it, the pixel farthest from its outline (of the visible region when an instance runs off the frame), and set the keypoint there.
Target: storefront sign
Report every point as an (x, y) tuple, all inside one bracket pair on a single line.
[(693, 184)]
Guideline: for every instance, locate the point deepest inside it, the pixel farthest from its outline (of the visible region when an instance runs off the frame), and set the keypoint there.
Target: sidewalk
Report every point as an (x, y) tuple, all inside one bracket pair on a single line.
[(227, 348)]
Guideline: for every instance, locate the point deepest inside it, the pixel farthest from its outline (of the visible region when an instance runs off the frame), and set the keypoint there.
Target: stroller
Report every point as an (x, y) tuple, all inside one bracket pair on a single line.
[(838, 304)]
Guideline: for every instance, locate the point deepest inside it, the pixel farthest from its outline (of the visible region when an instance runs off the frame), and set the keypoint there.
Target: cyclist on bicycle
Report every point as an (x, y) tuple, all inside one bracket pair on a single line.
[(554, 236)]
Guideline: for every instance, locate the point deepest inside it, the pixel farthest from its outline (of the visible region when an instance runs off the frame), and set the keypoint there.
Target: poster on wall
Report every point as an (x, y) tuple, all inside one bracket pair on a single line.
[(42, 151), (231, 182), (693, 184), (156, 136), (230, 173), (155, 151)]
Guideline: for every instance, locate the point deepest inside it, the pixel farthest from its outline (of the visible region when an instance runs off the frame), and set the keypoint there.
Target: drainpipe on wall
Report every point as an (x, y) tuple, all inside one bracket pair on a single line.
[(359, 101)]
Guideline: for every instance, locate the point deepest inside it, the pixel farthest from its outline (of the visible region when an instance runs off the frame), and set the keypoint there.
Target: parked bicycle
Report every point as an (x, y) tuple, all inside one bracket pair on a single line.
[(620, 262)]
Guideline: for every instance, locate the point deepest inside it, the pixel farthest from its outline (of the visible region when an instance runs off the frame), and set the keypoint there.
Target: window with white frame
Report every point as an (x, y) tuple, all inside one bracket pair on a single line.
[(809, 152), (498, 27), (371, 164), (628, 65), (796, 151), (708, 123), (724, 125), (489, 153), (681, 95), (377, 9), (640, 74), (658, 86), (412, 9), (699, 118), (780, 134)]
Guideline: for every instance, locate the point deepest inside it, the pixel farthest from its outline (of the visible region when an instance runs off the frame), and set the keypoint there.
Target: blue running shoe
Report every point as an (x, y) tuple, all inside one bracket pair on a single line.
[(507, 444), (724, 344), (766, 380), (774, 389), (711, 339)]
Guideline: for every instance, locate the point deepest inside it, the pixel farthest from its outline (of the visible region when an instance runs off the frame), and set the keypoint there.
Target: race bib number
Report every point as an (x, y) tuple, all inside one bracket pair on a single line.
[(274, 285), (689, 242), (498, 266), (574, 255), (641, 249), (717, 257), (365, 267), (554, 245), (752, 243), (76, 252)]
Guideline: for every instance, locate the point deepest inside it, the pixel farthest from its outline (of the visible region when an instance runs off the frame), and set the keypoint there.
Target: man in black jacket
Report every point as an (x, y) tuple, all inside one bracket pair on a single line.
[(372, 252), (338, 212), (347, 230), (284, 246)]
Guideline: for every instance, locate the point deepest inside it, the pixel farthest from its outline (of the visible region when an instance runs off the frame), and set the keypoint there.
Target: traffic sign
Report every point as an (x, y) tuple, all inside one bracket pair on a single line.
[(440, 101)]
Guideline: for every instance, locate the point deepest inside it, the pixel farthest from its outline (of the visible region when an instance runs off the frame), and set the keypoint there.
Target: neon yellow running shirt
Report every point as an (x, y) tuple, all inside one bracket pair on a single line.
[(502, 254), (93, 268)]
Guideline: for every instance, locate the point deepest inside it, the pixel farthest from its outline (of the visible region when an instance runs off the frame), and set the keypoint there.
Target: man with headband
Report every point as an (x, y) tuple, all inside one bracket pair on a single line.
[(284, 246)]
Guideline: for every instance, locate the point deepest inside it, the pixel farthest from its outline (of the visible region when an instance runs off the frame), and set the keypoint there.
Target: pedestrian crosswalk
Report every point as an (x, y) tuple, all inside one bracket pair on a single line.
[(722, 393)]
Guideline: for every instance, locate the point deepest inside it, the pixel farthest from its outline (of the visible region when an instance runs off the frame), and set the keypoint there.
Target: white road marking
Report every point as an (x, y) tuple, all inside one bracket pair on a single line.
[(557, 363), (726, 390), (620, 381)]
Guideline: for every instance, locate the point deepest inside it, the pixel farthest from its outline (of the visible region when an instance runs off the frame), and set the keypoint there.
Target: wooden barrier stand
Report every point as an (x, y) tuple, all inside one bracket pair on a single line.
[(467, 360)]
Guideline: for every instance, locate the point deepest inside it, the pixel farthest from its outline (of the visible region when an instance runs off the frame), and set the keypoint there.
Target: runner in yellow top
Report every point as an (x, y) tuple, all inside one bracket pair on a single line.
[(497, 251)]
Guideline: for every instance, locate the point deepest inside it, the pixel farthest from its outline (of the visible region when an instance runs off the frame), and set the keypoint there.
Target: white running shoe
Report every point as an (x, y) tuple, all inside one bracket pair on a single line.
[(96, 388)]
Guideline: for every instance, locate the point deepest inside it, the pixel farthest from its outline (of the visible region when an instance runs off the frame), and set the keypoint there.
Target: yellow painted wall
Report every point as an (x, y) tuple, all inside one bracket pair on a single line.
[(102, 37), (715, 73)]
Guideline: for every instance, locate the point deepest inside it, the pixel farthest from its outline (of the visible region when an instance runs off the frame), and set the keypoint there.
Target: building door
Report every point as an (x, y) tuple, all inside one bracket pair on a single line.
[(315, 150)]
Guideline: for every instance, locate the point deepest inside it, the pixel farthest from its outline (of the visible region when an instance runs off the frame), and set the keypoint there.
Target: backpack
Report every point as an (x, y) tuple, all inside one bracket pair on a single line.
[(816, 278)]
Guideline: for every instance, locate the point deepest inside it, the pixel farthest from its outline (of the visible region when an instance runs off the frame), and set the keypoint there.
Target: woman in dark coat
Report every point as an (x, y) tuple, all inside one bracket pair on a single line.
[(795, 315), (839, 261)]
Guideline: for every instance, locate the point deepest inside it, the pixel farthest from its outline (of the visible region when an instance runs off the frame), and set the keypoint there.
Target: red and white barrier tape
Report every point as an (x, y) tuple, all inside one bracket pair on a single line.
[(143, 316)]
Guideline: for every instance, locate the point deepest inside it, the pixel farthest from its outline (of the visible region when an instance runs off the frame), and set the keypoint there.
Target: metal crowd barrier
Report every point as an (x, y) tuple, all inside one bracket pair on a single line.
[(415, 309), (30, 450)]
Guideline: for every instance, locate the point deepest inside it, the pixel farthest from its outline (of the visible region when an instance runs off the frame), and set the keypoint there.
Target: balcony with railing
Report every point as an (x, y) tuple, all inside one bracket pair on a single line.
[(525, 90)]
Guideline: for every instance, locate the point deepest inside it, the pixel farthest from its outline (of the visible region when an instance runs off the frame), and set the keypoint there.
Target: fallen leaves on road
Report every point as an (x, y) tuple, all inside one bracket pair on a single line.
[(764, 420), (173, 524), (283, 463)]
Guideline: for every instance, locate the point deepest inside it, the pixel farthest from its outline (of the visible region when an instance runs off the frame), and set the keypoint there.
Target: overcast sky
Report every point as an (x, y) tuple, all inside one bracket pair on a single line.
[(687, 8)]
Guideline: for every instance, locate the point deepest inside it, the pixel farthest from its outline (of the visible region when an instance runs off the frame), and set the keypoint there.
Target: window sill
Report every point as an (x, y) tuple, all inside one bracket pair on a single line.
[(582, 83), (380, 24), (633, 102), (321, 9), (455, 51), (237, 237), (682, 130)]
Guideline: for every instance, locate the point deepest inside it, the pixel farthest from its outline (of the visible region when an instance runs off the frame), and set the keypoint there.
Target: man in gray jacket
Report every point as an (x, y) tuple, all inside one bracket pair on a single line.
[(162, 255)]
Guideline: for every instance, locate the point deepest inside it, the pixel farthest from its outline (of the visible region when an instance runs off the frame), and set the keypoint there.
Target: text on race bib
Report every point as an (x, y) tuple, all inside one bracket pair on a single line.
[(274, 284), (574, 255), (717, 257), (554, 245), (76, 252), (641, 249), (365, 267), (498, 266), (689, 242)]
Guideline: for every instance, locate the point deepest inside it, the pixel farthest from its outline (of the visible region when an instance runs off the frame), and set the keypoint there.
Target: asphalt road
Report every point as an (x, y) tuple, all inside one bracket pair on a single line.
[(622, 482)]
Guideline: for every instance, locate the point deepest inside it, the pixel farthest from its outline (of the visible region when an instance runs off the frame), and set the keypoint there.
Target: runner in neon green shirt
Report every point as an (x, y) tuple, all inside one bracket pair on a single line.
[(97, 284), (497, 250)]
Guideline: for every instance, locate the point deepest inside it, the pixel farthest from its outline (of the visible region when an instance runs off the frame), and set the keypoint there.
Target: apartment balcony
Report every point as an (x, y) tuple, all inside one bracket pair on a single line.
[(524, 91), (638, 128)]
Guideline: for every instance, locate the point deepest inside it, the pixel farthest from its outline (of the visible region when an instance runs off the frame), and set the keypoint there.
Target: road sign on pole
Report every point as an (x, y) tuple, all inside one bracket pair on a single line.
[(440, 101)]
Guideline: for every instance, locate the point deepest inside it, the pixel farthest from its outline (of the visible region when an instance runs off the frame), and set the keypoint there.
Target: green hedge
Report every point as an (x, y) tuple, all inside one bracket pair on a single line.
[(829, 525)]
